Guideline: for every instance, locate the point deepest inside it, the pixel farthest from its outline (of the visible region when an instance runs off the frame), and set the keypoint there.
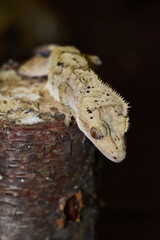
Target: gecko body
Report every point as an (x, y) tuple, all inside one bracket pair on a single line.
[(101, 114)]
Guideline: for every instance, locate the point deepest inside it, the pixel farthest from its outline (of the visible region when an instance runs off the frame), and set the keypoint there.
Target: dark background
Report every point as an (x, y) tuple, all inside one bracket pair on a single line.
[(126, 35)]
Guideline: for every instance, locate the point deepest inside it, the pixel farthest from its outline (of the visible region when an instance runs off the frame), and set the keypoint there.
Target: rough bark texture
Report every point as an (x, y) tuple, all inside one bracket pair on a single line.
[(46, 179)]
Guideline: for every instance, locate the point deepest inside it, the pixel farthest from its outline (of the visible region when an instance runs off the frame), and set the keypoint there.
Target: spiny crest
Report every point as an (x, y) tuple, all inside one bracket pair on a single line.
[(99, 83), (116, 94)]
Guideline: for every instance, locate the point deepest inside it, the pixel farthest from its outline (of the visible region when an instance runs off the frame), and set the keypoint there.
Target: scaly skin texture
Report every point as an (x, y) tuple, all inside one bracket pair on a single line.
[(101, 114)]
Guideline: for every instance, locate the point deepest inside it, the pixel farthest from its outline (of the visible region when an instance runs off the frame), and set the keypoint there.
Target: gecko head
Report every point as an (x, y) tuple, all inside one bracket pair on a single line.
[(106, 127)]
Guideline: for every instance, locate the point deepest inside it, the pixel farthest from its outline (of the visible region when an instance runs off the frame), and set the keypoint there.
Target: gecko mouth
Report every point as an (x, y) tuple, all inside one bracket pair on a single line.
[(115, 159), (112, 150)]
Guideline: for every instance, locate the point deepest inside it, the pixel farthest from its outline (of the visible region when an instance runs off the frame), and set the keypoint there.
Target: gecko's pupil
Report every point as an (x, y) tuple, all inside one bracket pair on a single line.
[(95, 133)]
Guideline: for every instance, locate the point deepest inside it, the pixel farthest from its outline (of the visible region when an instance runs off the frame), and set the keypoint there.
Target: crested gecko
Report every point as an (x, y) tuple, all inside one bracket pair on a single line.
[(100, 112)]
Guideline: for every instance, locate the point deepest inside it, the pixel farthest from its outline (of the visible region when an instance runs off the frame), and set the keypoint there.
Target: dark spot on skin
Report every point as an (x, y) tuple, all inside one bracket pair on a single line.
[(114, 157), (5, 102), (92, 87), (88, 87), (89, 70), (107, 94), (60, 64), (96, 100), (87, 91), (118, 138), (75, 60), (89, 111), (91, 117)]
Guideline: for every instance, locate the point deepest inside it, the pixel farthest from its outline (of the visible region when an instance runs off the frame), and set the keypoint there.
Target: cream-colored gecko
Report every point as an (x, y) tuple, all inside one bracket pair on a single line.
[(101, 114)]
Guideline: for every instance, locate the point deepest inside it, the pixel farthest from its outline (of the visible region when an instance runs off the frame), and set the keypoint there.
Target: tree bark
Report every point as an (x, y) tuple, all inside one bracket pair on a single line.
[(46, 169)]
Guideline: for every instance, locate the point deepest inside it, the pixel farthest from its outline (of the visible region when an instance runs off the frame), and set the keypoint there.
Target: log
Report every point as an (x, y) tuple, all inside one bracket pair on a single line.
[(47, 186)]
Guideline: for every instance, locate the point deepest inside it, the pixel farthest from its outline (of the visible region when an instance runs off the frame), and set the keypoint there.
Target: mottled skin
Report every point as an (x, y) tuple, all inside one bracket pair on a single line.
[(101, 114)]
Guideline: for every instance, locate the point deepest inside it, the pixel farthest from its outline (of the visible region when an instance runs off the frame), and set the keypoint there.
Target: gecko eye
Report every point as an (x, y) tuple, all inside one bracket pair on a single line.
[(96, 133)]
